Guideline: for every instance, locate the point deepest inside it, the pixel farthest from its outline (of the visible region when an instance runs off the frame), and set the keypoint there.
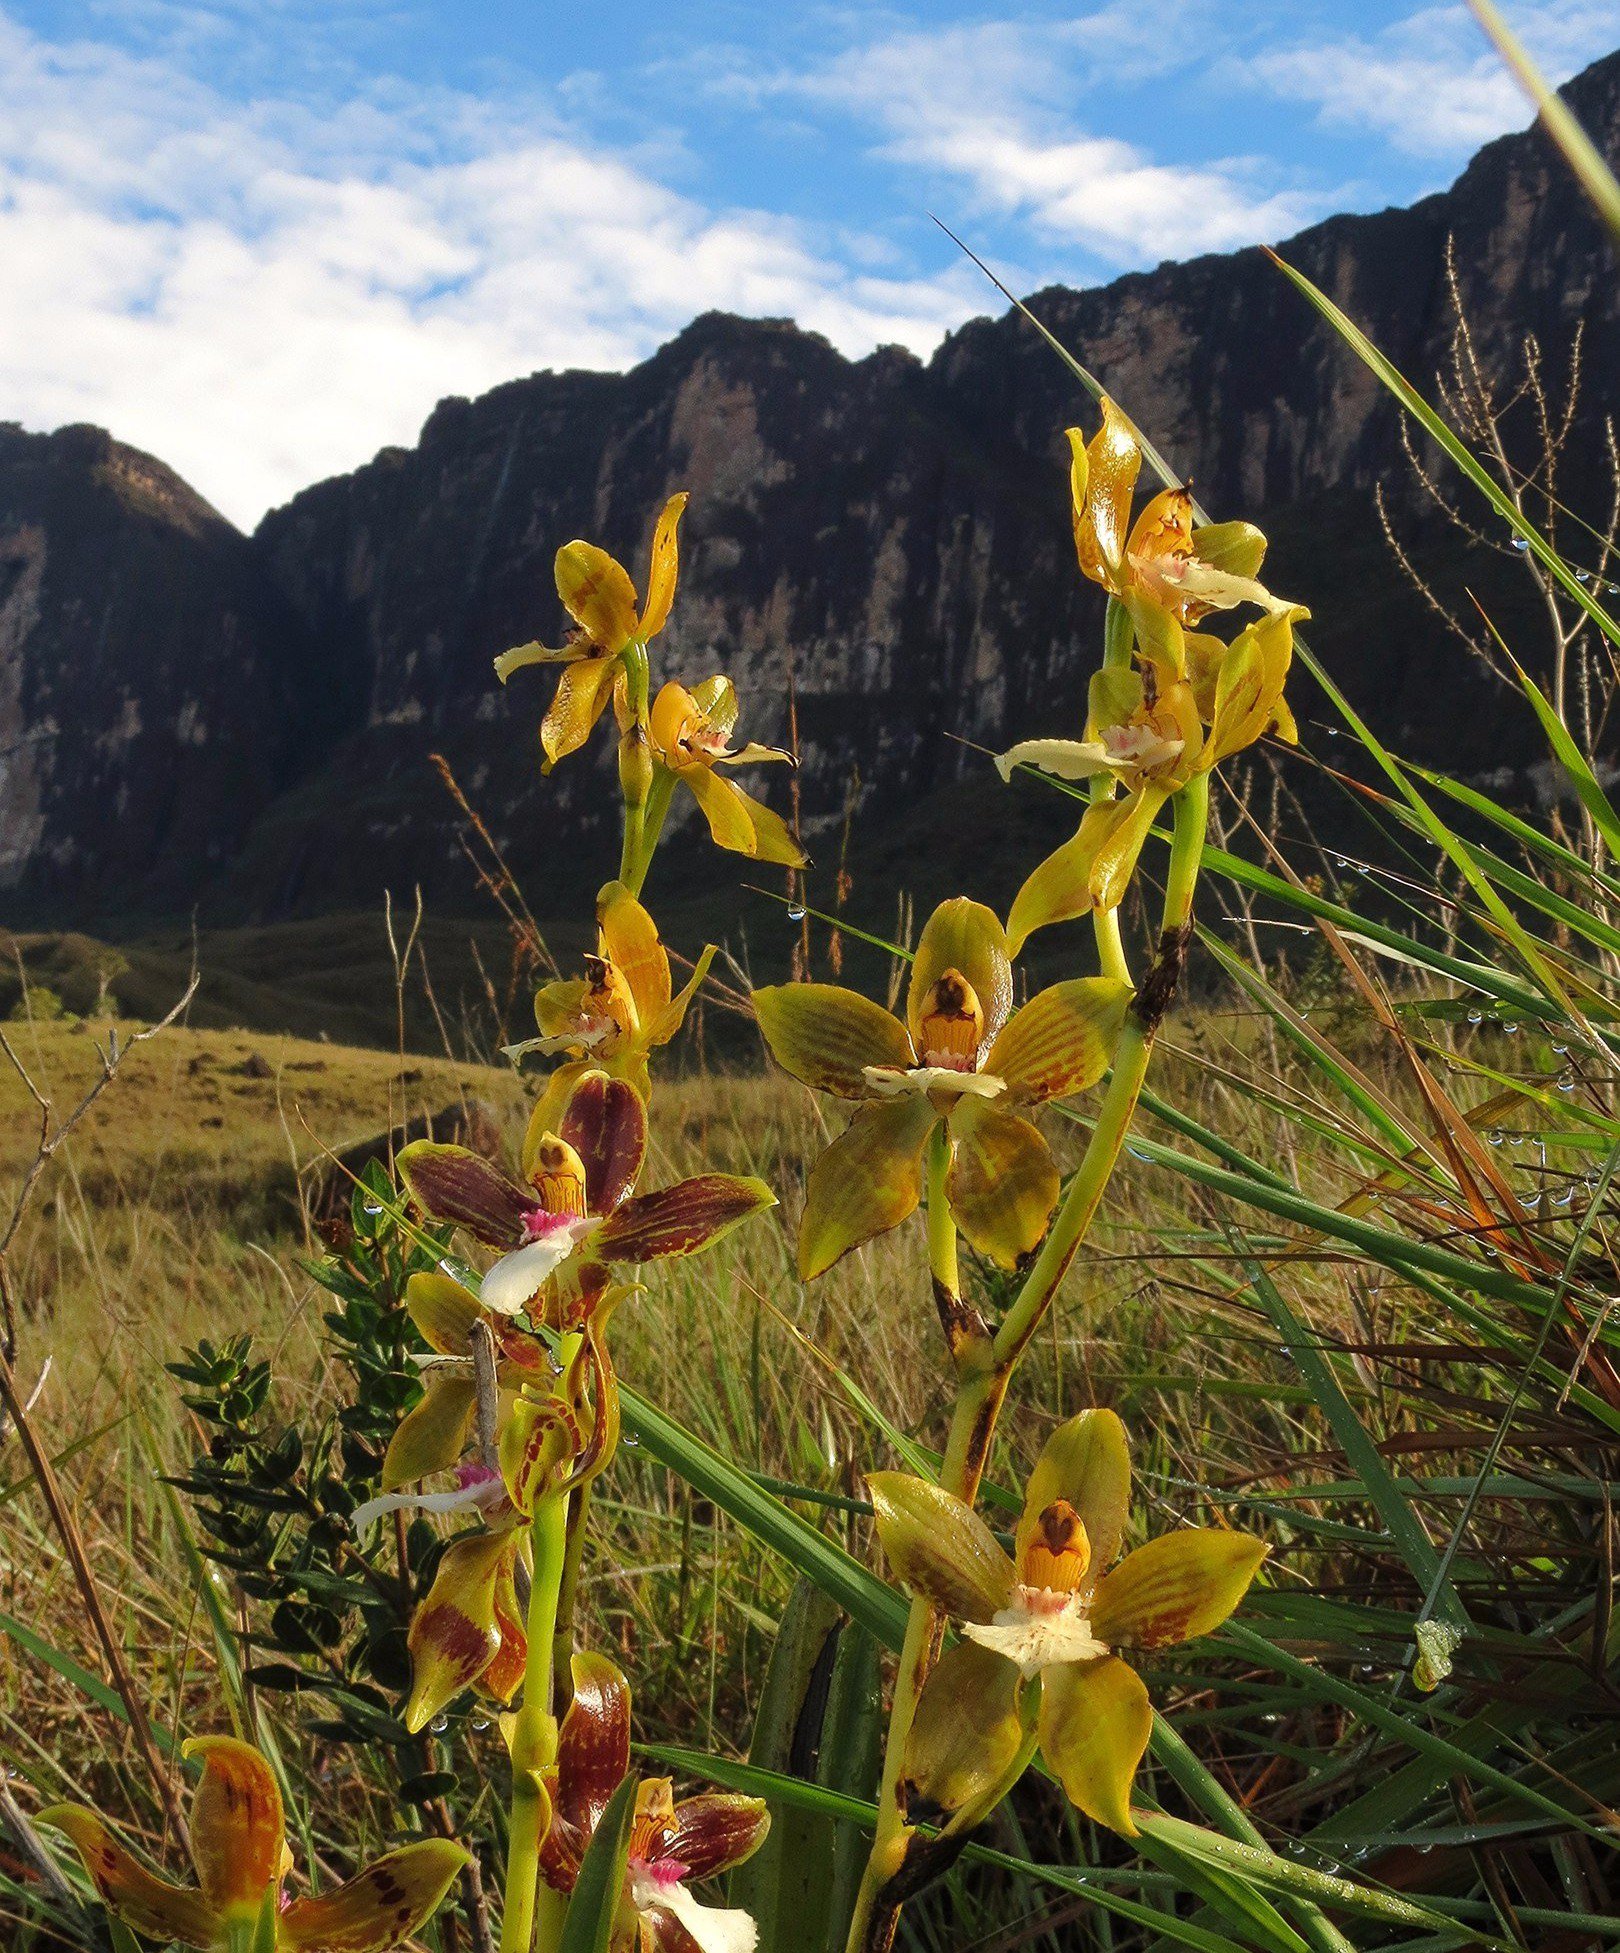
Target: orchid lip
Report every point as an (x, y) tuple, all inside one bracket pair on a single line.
[(889, 1081)]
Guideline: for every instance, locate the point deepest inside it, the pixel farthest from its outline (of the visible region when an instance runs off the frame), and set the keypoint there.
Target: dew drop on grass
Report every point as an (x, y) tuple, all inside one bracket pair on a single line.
[(1476, 1017), (1583, 576), (1559, 1050), (1510, 1028), (630, 1439), (1497, 1137), (796, 912), (1566, 1084), (1520, 544), (438, 1725)]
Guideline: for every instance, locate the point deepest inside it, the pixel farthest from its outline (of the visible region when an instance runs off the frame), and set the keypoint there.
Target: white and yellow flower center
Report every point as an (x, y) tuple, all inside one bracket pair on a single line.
[(1047, 1622), (1140, 745)]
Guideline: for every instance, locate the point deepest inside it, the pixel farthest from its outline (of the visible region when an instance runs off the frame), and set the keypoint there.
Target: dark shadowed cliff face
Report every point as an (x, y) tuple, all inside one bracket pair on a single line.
[(888, 537), (149, 679)]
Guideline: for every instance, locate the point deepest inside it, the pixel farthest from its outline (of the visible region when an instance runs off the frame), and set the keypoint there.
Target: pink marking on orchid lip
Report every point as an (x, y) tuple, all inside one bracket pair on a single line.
[(707, 739), (949, 1061), (1041, 1601), (665, 1873), (471, 1472), (540, 1224)]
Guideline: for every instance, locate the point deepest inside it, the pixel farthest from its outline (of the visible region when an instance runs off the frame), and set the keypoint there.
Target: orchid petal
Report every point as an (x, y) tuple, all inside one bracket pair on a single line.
[(379, 1907), (739, 822), (532, 654), (1003, 1182), (443, 1310), (1037, 1641), (1095, 1720), (868, 1180), (826, 1036), (605, 1121), (598, 594), (939, 1547), (967, 1729), (583, 692), (238, 1833), (454, 1634), (1176, 1587), (629, 941), (149, 1904), (453, 1185), (967, 937), (1087, 1463), (714, 1832), (512, 1283), (1060, 888), (1062, 1040), (593, 1747), (1113, 461), (663, 1027), (1064, 759), (712, 1929), (663, 569), (432, 1435), (681, 1220)]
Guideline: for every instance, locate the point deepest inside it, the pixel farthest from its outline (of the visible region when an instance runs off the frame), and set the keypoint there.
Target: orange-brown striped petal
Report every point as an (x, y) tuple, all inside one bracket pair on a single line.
[(605, 1121), (629, 941), (238, 1834), (453, 1185), (868, 1180), (149, 1904), (379, 1907), (1062, 1039), (664, 568), (711, 1833), (826, 1036), (680, 1220)]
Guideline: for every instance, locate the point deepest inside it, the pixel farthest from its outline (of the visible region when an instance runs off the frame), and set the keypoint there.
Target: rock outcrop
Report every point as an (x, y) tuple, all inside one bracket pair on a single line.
[(885, 540)]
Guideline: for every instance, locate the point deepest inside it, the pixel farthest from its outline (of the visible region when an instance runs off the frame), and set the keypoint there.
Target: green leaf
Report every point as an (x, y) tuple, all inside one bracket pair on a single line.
[(878, 1608), (595, 1902)]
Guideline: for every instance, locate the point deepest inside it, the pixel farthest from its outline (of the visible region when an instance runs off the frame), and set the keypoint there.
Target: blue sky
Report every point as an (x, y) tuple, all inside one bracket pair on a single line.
[(262, 237)]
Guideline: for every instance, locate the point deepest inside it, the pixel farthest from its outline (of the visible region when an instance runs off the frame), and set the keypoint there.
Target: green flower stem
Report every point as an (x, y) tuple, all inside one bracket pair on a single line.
[(534, 1730), (635, 764), (984, 1371), (579, 1513), (1131, 1059), (634, 873), (1118, 640)]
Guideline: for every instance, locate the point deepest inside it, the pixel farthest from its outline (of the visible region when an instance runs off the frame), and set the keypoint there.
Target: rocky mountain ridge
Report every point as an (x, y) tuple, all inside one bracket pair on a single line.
[(188, 714)]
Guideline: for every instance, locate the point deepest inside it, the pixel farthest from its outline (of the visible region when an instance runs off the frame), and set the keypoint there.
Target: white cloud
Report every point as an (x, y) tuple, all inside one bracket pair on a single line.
[(1430, 84), (265, 294), (988, 106)]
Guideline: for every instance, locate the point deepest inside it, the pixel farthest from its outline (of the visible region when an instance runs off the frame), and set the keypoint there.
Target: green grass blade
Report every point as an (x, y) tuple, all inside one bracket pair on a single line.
[(594, 1904)]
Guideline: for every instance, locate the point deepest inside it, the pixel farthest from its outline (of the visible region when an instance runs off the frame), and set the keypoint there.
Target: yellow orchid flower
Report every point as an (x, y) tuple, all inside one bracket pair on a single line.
[(598, 594), (612, 1018), (691, 733), (1147, 728), (1054, 1610), (239, 1852), (961, 1058), (575, 1212), (672, 1844), (1160, 562)]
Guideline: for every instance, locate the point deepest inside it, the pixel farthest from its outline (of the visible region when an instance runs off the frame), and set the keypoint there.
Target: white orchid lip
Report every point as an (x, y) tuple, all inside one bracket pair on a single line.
[(1140, 746), (891, 1083), (513, 1282), (1040, 1628), (713, 1929), (482, 1494)]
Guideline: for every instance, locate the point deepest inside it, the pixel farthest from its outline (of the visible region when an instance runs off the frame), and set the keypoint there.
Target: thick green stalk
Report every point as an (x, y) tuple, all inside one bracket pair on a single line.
[(1118, 639), (985, 1366), (534, 1729)]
